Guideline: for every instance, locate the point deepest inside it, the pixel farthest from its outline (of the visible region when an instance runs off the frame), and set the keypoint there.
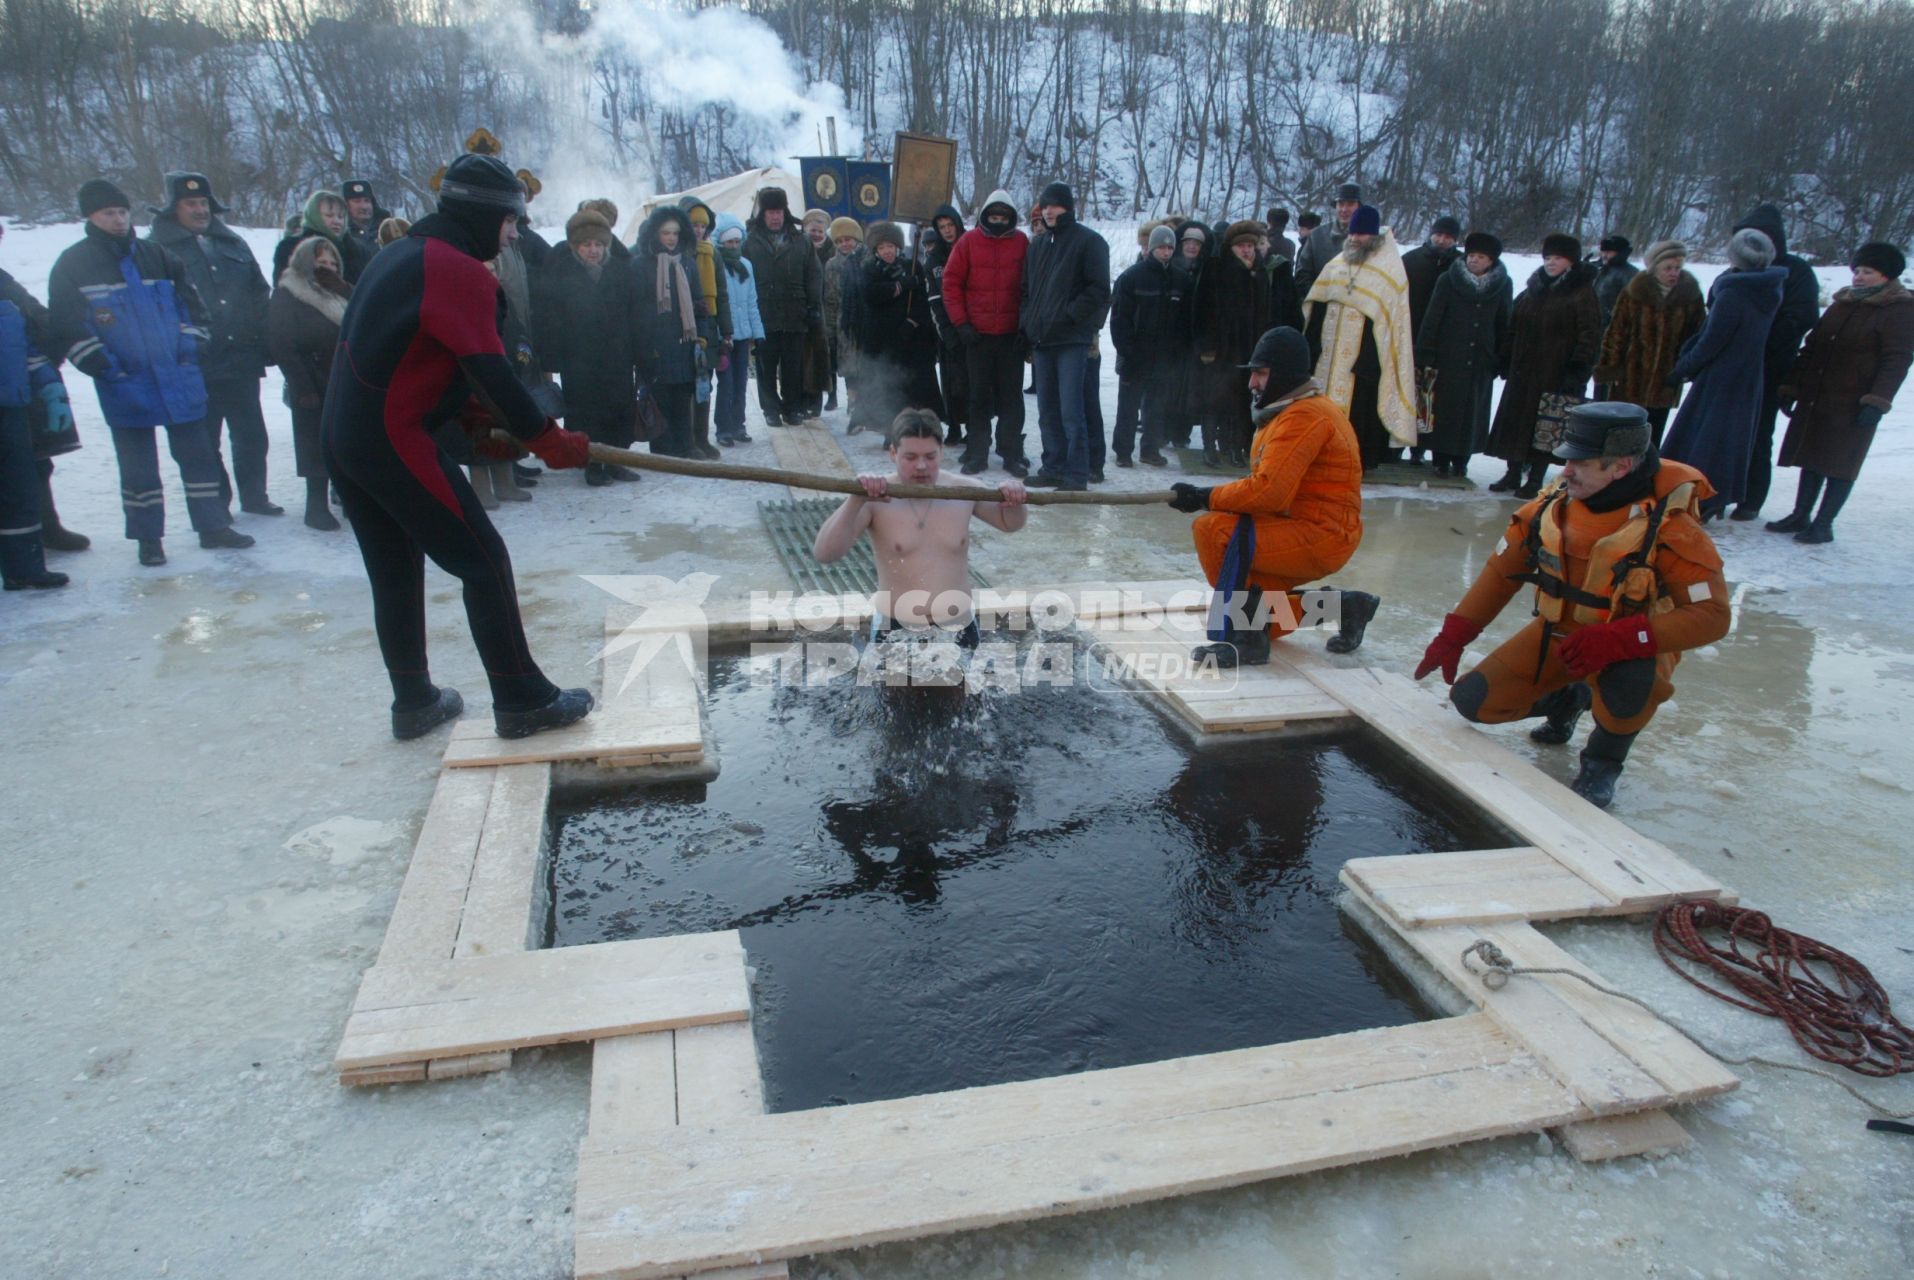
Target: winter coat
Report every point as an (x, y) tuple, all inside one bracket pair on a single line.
[(664, 356), (586, 333), (1856, 357), (233, 291), (353, 253), (1231, 310), (367, 233), (1461, 337), (1285, 304), (841, 272), (790, 282), (125, 313), (1318, 249), (1151, 313), (26, 370), (302, 327), (1553, 342), (1066, 286), (983, 282), (741, 287), (1645, 335), (714, 322), (1424, 265), (1610, 279), (1800, 296), (896, 340), (936, 263), (1713, 431)]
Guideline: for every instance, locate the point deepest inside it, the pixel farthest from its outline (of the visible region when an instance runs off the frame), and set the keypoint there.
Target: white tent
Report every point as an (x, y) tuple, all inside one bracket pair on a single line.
[(727, 195)]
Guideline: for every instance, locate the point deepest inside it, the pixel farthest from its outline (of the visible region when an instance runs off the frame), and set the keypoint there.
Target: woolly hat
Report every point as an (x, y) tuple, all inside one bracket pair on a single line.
[(1750, 250), (1446, 226), (1237, 232), (882, 233), (1195, 231), (818, 216), (1285, 353), (587, 224), (1161, 237), (1617, 244), (1349, 191), (1662, 250), (696, 211), (1482, 242), (358, 189), (97, 194), (1560, 245), (475, 180), (1882, 256), (1058, 194), (188, 186), (728, 225), (841, 227), (1365, 221)]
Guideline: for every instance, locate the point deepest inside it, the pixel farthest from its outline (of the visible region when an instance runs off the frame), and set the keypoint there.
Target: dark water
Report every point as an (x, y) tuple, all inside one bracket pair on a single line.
[(1035, 884)]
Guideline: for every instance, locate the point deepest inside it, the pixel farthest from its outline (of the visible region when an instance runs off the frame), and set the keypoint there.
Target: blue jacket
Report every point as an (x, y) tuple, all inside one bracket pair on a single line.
[(746, 324), (1714, 430), (16, 357), (126, 315)]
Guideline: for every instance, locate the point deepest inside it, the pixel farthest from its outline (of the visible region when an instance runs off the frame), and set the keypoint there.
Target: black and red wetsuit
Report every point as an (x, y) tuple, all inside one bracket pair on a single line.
[(420, 337)]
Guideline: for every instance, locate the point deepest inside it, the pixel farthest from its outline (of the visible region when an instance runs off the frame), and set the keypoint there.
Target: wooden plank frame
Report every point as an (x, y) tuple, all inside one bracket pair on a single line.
[(680, 1172)]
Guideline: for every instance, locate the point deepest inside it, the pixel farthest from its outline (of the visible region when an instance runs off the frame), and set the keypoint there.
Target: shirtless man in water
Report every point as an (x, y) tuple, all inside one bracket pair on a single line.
[(922, 544)]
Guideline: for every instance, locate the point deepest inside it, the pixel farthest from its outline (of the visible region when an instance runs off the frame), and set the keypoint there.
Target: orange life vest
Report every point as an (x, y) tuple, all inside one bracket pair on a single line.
[(1621, 580)]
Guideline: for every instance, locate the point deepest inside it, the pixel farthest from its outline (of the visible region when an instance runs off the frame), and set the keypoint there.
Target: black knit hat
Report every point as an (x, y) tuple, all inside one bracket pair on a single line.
[(1617, 244), (1285, 353), (1446, 226), (476, 181), (1058, 194), (97, 194), (1482, 242), (1560, 245), (1882, 256), (188, 186), (358, 189)]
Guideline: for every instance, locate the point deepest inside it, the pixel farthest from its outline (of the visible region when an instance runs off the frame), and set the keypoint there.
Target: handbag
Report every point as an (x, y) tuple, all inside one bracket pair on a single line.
[(1551, 418), (1425, 399), (647, 419)]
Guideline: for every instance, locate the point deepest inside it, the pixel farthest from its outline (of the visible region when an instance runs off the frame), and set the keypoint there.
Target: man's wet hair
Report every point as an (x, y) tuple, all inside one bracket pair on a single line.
[(919, 423)]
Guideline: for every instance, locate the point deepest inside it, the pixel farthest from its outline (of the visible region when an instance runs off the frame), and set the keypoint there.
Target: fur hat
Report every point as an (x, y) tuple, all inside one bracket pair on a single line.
[(1882, 256), (1561, 245), (603, 208), (772, 198), (1161, 237), (1349, 191), (1662, 250), (97, 194), (587, 224), (841, 227), (884, 233), (818, 216), (358, 189), (1750, 250), (1617, 244), (1245, 230), (187, 186), (393, 229), (1446, 226), (1059, 194), (1365, 221), (1482, 242)]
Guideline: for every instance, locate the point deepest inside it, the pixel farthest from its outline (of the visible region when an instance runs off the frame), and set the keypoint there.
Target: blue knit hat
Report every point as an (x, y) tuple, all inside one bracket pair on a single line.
[(1365, 221)]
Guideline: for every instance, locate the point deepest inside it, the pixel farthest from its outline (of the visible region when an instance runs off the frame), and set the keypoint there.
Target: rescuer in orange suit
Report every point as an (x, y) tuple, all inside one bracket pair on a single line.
[(1296, 517), (1625, 579)]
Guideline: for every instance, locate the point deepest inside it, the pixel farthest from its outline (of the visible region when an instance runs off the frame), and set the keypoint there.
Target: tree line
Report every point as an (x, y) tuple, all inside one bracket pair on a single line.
[(1647, 117)]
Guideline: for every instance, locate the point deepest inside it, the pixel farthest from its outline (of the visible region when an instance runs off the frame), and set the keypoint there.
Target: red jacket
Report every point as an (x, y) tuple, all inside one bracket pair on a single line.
[(983, 283)]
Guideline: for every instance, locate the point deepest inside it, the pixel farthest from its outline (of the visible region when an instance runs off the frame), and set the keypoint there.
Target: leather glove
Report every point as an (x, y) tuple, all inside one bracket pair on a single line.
[(59, 413), (560, 449), (1869, 417), (1445, 651), (1190, 498), (966, 333), (1601, 644)]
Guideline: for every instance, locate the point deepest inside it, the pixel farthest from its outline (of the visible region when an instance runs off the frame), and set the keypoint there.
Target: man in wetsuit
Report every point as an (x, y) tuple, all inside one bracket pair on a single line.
[(922, 545), (420, 346)]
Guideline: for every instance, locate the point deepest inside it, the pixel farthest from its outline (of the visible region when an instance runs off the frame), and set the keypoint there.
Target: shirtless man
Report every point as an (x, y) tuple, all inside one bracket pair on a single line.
[(922, 544)]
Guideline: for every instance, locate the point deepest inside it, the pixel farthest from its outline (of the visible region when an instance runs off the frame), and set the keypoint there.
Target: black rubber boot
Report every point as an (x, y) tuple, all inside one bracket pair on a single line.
[(1245, 646), (55, 536), (701, 446), (227, 539), (1510, 479), (152, 552), (1564, 710), (1821, 528), (567, 706), (318, 515), (1602, 761), (596, 476), (419, 721), (1532, 487), (1358, 608), (1211, 458), (1807, 491)]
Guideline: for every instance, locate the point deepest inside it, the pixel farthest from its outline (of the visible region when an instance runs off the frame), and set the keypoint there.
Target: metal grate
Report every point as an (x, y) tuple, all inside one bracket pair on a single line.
[(792, 524)]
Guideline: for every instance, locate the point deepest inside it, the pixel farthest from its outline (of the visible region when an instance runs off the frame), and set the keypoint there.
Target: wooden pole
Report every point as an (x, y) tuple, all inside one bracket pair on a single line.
[(842, 484)]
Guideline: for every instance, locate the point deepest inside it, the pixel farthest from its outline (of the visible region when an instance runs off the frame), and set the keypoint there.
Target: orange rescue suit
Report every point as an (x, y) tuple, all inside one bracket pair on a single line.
[(1687, 608), (1304, 491)]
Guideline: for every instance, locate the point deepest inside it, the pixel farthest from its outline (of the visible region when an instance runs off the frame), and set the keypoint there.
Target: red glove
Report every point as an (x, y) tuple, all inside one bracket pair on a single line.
[(560, 449), (1602, 643), (1445, 650)]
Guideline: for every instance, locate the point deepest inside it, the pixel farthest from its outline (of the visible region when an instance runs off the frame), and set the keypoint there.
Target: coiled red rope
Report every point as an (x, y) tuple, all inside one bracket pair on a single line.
[(1831, 1004)]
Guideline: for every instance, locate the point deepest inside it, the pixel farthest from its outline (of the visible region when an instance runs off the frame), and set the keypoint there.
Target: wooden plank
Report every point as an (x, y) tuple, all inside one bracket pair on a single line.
[(425, 919), (612, 731), (634, 1086), (472, 1064), (1242, 714), (402, 1073), (718, 1076), (498, 906), (1686, 1071), (1642, 1133), (808, 1182), (1605, 1079), (1419, 870), (1484, 885), (530, 972)]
